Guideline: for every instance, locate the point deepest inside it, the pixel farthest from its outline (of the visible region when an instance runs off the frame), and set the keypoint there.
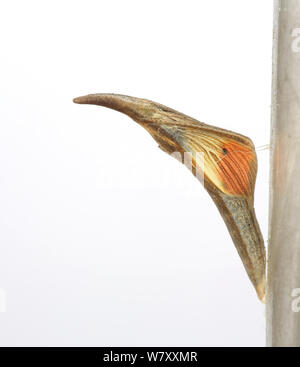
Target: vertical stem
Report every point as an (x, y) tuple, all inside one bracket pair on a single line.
[(283, 316)]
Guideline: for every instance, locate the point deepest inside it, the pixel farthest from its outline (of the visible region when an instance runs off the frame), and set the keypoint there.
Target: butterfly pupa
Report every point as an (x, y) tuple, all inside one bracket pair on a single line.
[(229, 170)]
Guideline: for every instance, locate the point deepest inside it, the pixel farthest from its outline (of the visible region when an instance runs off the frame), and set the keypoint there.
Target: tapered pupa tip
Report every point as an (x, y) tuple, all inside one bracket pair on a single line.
[(79, 100), (133, 107), (261, 291), (91, 99)]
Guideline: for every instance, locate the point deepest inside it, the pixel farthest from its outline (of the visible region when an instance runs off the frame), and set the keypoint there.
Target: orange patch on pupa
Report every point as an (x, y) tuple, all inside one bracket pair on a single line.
[(236, 168)]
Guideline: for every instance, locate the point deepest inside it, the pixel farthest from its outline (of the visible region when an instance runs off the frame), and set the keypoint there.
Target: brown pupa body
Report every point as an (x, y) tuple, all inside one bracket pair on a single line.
[(229, 176)]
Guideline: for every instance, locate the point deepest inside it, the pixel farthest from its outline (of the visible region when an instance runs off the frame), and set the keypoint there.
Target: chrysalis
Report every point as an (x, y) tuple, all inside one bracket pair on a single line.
[(229, 169)]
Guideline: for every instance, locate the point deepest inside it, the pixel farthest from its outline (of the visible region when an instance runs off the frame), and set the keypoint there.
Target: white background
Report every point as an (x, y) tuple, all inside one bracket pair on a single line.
[(104, 239)]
